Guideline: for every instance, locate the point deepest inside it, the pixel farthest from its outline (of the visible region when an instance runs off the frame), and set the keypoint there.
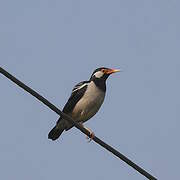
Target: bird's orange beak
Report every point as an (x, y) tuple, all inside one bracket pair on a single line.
[(110, 71)]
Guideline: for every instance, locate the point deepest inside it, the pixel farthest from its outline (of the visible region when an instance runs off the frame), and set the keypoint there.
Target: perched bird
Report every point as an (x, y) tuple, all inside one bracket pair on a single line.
[(84, 102)]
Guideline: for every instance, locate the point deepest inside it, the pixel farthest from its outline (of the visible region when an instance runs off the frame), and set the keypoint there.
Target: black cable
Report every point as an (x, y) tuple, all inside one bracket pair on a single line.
[(85, 131)]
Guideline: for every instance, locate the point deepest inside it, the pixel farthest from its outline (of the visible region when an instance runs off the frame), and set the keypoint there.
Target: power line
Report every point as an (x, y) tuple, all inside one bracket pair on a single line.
[(82, 129)]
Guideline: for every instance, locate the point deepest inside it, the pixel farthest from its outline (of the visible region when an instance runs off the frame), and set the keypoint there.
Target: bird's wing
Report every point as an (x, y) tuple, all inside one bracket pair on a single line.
[(77, 93)]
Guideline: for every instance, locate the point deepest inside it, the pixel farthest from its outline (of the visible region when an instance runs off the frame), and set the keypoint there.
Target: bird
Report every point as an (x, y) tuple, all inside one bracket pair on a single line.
[(84, 102)]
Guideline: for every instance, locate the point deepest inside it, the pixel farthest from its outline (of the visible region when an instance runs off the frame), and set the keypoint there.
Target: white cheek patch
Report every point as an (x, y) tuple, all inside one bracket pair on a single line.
[(98, 74)]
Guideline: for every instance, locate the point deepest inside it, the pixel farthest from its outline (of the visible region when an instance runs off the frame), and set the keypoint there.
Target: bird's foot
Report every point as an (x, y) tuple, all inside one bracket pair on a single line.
[(92, 135)]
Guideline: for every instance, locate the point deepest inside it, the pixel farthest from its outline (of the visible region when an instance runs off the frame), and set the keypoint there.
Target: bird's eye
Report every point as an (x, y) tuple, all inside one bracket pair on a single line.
[(103, 70)]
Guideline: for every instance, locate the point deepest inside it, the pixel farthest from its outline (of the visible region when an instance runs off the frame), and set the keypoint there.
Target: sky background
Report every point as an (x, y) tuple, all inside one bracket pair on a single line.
[(51, 46)]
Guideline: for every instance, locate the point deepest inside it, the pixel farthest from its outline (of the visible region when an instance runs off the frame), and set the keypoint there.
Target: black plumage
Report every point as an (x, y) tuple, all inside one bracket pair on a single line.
[(76, 95)]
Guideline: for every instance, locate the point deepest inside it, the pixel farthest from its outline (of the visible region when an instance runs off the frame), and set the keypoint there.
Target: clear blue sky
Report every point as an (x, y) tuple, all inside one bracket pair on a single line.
[(51, 46)]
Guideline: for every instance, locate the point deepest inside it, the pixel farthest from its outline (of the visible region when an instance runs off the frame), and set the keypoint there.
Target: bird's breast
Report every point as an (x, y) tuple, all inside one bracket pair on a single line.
[(89, 104)]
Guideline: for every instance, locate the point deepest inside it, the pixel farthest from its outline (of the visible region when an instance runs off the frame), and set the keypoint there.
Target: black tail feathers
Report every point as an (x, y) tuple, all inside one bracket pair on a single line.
[(55, 132)]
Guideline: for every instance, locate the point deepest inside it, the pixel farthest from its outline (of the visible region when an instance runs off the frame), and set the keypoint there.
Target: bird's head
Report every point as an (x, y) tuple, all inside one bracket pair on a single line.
[(102, 73)]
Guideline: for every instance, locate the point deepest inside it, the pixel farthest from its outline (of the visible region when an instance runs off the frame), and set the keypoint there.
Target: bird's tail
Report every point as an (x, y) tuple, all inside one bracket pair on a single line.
[(57, 131)]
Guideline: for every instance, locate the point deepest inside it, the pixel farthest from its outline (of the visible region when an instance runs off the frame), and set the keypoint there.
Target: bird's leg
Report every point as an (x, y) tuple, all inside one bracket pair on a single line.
[(90, 132)]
